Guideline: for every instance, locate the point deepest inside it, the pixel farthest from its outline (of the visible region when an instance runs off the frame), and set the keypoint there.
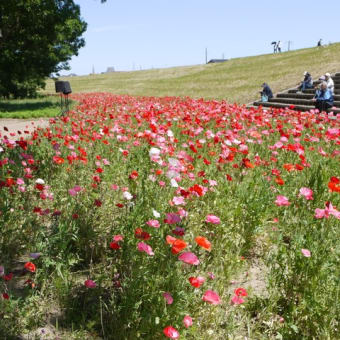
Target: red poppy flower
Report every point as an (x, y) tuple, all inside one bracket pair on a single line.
[(30, 267), (229, 178), (98, 203), (133, 175), (114, 245), (8, 277), (196, 281), (58, 160), (171, 332), (240, 292), (143, 235), (246, 162)]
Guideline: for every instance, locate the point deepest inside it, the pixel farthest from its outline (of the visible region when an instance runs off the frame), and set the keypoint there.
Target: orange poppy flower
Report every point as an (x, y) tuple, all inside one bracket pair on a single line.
[(178, 246), (279, 181), (203, 242), (288, 167)]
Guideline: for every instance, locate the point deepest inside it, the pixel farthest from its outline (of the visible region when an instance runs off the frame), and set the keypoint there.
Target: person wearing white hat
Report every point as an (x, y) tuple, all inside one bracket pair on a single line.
[(330, 82), (307, 82)]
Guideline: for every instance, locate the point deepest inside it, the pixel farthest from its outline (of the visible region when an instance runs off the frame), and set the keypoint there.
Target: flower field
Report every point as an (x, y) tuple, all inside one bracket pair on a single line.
[(172, 218)]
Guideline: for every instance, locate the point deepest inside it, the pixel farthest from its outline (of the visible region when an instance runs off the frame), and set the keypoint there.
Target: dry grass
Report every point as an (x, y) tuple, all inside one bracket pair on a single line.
[(237, 80)]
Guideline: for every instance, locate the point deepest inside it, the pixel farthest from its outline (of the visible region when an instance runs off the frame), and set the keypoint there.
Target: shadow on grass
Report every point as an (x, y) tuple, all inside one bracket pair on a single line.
[(32, 108), (27, 106)]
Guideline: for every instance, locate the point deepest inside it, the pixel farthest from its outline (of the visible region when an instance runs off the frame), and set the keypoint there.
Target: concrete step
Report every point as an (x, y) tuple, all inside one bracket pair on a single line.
[(312, 91), (296, 107), (298, 101), (301, 96)]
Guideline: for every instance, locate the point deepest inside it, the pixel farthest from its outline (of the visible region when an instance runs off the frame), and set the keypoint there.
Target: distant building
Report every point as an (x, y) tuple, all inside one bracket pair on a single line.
[(110, 69), (212, 61)]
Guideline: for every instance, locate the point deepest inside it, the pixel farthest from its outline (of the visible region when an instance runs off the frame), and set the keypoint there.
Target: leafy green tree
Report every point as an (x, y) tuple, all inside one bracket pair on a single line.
[(37, 39)]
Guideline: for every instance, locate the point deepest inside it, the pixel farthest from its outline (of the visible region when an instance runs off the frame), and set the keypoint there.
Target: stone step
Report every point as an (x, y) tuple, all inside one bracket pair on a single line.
[(298, 101), (301, 96), (312, 91), (296, 107)]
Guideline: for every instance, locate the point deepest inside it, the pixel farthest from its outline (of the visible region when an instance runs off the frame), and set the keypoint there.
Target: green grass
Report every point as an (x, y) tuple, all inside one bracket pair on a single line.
[(44, 106), (237, 80)]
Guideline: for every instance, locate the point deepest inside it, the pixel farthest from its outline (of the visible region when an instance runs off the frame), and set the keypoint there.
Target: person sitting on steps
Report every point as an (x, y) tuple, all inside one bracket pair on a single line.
[(266, 93), (330, 82), (307, 82), (323, 98)]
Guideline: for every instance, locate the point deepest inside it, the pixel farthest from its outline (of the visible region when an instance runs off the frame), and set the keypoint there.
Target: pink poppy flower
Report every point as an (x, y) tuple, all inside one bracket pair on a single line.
[(189, 258), (236, 300), (146, 248), (305, 252), (90, 284), (153, 223), (306, 193), (211, 297), (178, 200), (20, 181), (172, 218), (212, 219), (320, 213), (171, 332), (118, 238), (169, 299), (77, 188), (187, 321), (211, 275), (281, 201), (72, 192)]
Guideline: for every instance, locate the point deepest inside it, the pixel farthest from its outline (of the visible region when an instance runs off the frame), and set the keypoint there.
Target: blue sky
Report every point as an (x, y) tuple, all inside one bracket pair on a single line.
[(144, 34)]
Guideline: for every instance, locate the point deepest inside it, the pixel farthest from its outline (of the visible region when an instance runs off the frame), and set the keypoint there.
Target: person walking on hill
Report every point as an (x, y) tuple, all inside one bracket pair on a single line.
[(278, 46), (274, 46), (323, 98), (330, 82), (307, 82), (266, 93), (319, 43)]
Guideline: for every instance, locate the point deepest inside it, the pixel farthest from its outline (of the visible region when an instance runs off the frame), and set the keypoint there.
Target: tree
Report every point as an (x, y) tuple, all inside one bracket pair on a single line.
[(38, 38)]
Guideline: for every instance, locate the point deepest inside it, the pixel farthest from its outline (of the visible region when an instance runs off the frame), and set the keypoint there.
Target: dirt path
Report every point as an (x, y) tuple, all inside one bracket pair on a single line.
[(25, 126)]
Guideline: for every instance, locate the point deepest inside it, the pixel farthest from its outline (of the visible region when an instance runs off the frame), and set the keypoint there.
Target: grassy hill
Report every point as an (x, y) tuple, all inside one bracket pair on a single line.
[(237, 80)]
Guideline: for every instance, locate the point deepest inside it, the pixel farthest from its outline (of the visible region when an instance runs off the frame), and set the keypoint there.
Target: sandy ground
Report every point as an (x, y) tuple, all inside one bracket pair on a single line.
[(22, 125)]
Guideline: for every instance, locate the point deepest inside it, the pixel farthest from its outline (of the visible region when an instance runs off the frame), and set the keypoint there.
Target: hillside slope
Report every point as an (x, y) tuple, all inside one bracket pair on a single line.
[(237, 80)]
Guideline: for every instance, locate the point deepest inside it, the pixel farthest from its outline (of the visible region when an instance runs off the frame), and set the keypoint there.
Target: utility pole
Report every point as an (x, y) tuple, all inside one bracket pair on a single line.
[(289, 43), (223, 56), (206, 55)]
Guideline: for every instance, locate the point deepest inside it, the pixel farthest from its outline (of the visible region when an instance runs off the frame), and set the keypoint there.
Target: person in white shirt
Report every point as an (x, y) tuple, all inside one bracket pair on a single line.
[(330, 82)]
